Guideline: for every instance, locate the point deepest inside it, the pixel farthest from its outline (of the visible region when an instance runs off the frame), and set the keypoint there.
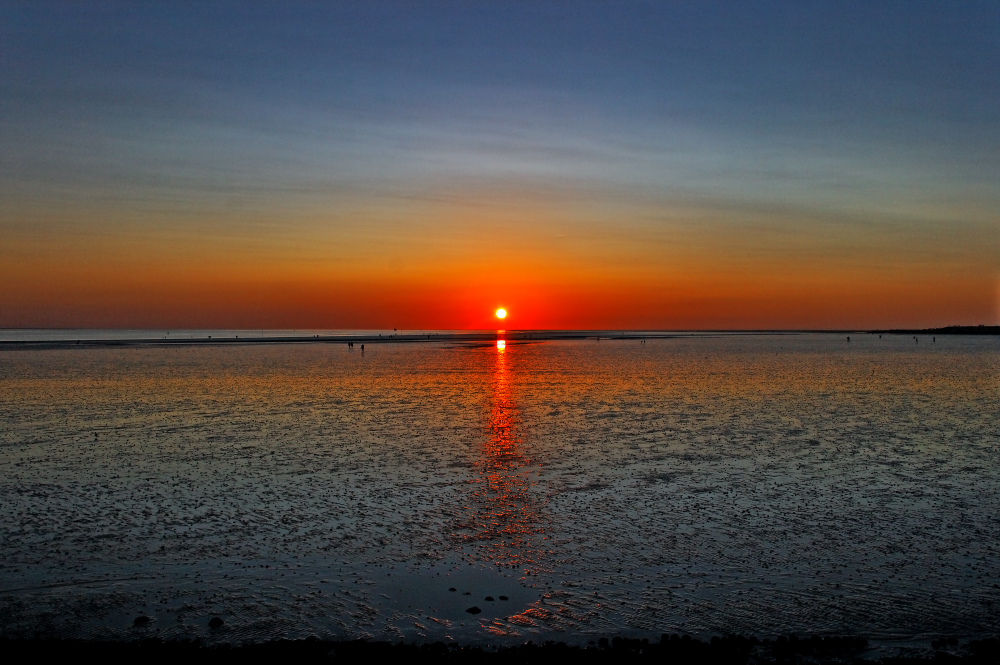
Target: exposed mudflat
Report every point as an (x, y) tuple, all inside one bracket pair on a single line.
[(567, 490)]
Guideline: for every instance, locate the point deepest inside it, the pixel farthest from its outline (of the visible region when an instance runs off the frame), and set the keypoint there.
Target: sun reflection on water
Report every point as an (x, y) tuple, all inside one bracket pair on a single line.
[(504, 521)]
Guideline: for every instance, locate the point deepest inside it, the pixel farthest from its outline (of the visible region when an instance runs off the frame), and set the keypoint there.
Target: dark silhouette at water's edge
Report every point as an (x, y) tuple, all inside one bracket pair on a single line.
[(454, 338), (947, 330), (470, 338), (670, 648)]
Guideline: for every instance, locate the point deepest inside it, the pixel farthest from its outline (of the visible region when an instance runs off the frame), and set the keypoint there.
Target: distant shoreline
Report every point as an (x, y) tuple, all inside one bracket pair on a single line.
[(468, 338), (948, 330), (471, 338)]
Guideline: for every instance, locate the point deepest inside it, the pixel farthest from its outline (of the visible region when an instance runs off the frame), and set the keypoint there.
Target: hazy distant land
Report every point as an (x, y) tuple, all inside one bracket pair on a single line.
[(461, 337), (947, 330)]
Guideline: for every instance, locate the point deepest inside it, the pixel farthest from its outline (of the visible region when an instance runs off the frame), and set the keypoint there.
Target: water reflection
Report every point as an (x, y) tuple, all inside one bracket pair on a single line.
[(503, 523)]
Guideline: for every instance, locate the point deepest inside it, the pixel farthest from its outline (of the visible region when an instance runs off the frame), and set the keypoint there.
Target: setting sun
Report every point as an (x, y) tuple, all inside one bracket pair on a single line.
[(501, 313)]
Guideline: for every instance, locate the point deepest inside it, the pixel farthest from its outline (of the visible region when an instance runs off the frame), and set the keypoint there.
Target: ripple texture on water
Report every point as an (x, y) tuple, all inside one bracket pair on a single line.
[(569, 490)]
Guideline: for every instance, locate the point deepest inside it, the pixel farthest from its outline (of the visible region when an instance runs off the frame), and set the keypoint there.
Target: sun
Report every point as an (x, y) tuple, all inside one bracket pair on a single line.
[(501, 313)]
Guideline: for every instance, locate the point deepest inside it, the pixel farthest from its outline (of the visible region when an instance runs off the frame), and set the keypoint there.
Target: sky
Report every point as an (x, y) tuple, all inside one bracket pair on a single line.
[(415, 165)]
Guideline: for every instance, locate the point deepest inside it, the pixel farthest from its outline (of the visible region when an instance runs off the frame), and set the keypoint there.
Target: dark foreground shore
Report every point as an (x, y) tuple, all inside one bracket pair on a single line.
[(669, 649)]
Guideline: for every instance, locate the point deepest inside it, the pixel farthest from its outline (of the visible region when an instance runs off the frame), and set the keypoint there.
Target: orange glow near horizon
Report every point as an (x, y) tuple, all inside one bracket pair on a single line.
[(157, 297), (645, 279)]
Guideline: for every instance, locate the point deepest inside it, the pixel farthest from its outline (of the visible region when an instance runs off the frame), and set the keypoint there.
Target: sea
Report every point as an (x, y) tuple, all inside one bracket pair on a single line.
[(482, 492)]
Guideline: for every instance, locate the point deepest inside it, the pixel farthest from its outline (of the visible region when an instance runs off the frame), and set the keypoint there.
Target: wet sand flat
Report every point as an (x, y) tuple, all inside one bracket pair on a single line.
[(565, 489)]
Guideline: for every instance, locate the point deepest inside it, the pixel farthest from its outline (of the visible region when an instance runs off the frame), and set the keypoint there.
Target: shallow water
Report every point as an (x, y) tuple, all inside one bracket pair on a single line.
[(734, 484)]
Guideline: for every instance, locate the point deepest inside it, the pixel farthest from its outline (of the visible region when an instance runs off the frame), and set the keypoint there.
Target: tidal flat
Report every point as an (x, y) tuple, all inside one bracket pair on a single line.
[(560, 490)]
